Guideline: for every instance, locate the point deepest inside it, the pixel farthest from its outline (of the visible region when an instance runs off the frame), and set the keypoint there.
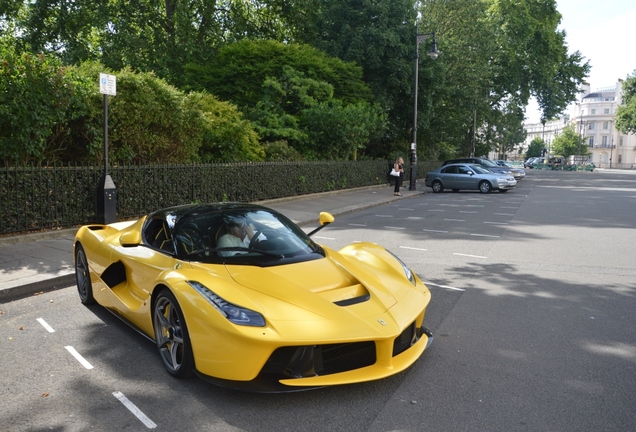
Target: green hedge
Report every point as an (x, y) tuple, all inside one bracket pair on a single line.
[(48, 198)]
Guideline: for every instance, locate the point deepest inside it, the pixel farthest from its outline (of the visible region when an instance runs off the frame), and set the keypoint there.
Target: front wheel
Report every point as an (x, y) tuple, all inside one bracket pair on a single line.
[(437, 186), (485, 187), (83, 276), (171, 336)]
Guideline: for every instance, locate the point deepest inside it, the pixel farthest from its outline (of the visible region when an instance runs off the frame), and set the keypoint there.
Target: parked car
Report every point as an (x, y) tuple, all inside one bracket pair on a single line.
[(517, 173), (529, 163), (468, 177), (502, 163), (275, 313)]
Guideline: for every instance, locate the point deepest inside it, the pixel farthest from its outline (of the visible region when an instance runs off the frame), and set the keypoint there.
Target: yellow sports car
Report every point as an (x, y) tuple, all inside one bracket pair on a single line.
[(240, 295)]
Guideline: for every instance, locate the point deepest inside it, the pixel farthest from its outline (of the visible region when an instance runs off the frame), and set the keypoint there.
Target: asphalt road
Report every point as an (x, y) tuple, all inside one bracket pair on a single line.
[(533, 310)]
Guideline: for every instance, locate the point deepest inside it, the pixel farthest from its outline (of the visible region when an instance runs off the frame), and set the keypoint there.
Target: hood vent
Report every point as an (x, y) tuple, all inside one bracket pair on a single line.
[(352, 301)]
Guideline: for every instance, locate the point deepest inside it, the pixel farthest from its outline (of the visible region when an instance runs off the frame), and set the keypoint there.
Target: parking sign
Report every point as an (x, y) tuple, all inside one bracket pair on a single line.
[(107, 84)]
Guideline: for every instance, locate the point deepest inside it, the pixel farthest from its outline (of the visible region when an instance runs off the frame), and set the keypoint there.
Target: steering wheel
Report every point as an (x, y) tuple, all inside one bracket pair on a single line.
[(268, 233), (190, 239)]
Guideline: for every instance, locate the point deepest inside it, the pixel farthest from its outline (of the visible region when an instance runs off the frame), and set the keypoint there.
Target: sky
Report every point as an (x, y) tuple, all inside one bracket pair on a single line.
[(604, 31)]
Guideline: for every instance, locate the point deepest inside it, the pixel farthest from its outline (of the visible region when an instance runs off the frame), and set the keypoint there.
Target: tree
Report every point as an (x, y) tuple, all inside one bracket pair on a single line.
[(626, 113), (534, 58), (495, 54), (337, 132), (38, 98), (379, 36), (568, 142), (535, 149), (238, 71), (226, 134)]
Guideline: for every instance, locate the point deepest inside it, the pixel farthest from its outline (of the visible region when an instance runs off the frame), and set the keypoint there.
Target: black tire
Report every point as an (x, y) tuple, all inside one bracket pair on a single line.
[(503, 190), (485, 187), (437, 186), (83, 276), (171, 335)]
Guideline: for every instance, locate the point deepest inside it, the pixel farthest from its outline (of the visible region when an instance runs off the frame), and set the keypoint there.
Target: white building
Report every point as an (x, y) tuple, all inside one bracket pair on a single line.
[(594, 118)]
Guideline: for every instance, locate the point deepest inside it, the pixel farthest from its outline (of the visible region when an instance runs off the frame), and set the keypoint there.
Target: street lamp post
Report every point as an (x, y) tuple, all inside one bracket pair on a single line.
[(433, 53)]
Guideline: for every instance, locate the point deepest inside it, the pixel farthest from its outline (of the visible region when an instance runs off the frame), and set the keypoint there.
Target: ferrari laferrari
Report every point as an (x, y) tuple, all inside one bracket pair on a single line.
[(241, 296)]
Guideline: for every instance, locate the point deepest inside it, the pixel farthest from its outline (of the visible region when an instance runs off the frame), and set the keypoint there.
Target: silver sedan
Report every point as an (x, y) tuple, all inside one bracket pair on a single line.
[(468, 177)]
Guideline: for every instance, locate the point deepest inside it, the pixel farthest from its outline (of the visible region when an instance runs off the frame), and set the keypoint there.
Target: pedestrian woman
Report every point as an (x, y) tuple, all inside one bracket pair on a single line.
[(399, 167)]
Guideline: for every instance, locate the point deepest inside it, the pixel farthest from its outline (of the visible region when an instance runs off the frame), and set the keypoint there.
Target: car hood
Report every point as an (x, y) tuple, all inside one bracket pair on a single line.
[(332, 287)]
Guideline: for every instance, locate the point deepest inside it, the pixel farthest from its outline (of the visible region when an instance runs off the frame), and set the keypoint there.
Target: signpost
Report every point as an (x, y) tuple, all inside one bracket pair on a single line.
[(106, 192)]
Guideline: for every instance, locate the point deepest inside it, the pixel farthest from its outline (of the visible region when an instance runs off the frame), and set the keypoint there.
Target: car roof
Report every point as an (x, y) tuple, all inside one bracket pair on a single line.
[(462, 164)]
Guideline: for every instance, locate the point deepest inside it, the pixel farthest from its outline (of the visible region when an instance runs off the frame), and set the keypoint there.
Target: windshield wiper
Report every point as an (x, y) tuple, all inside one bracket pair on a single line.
[(236, 248)]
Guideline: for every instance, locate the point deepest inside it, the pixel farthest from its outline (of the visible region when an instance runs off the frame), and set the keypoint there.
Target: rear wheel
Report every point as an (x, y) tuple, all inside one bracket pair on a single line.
[(485, 187), (437, 186), (171, 336), (83, 276)]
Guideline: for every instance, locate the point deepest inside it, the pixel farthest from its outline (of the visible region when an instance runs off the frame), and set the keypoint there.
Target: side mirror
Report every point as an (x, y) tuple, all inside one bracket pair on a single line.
[(325, 219), (130, 239)]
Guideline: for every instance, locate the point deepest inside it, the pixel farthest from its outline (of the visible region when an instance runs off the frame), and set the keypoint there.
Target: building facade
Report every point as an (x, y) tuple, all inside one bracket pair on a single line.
[(594, 119)]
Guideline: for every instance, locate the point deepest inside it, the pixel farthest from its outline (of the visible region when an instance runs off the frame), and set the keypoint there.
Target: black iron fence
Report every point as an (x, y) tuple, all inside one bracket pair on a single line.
[(49, 198)]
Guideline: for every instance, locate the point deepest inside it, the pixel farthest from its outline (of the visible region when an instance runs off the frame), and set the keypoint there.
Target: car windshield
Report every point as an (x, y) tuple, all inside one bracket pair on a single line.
[(480, 169), (243, 236)]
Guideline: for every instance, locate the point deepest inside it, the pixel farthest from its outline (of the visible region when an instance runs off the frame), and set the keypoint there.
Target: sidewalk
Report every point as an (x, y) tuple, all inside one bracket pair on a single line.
[(39, 262)]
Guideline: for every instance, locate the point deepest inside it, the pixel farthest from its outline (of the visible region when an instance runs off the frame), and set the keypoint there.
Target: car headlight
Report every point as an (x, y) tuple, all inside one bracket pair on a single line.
[(503, 179), (235, 314), (407, 271)]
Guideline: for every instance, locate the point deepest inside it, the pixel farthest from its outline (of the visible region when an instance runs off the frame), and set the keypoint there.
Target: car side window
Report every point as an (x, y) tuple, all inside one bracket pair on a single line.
[(464, 170), (157, 235), (450, 170)]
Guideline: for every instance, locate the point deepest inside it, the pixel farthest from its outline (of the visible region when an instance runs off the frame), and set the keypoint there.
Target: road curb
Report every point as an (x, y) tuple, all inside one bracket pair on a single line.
[(47, 285)]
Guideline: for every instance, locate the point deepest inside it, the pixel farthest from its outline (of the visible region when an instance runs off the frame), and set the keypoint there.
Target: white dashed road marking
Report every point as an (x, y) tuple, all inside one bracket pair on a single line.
[(78, 357), (136, 411), (444, 286), (470, 256), (46, 326)]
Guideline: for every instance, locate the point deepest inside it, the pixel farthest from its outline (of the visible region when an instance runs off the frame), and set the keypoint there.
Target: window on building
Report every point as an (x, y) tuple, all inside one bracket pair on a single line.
[(620, 140), (590, 126), (591, 141), (606, 111), (605, 125), (593, 111), (604, 140), (620, 158)]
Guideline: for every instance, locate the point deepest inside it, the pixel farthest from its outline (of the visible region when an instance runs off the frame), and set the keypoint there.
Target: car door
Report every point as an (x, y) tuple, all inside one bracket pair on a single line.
[(448, 176), (466, 178)]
